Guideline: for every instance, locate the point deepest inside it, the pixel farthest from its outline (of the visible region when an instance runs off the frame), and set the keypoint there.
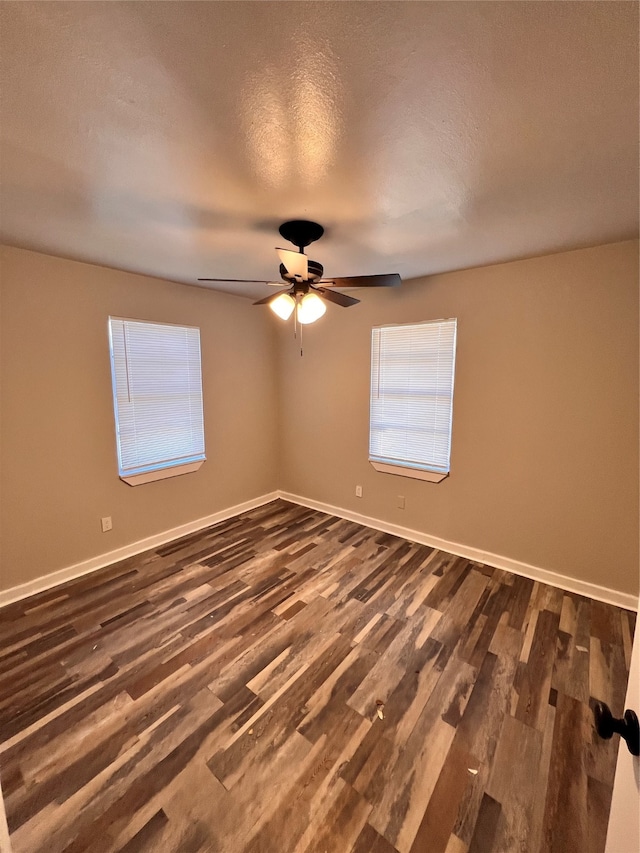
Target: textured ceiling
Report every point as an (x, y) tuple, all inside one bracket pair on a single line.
[(173, 138)]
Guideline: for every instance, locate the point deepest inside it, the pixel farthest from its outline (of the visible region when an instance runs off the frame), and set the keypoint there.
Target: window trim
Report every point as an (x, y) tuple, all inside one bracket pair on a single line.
[(405, 471), (161, 473), (416, 471)]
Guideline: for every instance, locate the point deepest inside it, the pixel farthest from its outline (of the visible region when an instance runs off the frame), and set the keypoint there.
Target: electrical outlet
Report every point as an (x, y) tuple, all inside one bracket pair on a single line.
[(358, 491), (400, 502), (106, 523)]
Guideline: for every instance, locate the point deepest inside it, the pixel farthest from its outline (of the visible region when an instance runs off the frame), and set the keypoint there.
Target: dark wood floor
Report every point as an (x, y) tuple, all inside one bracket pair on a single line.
[(289, 681)]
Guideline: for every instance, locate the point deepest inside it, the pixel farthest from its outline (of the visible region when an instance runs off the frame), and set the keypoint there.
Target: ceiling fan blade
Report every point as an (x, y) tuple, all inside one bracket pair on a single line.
[(339, 298), (389, 280), (296, 263), (271, 298), (242, 280)]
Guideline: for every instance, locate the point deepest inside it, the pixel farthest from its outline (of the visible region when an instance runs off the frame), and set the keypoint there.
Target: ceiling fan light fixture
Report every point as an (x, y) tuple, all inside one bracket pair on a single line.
[(283, 306), (310, 308)]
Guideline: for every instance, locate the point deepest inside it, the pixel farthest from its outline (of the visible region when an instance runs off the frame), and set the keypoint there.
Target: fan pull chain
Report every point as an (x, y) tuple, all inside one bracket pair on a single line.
[(295, 323)]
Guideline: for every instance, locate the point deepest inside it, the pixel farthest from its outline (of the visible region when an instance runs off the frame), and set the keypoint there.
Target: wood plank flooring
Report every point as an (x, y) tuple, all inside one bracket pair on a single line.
[(289, 681)]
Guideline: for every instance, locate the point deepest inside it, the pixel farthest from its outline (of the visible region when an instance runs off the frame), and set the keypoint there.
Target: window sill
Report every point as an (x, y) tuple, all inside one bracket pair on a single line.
[(161, 474), (413, 473)]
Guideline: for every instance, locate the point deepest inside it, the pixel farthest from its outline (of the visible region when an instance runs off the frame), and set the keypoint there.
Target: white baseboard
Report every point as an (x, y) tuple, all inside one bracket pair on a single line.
[(600, 593), (592, 590), (94, 563)]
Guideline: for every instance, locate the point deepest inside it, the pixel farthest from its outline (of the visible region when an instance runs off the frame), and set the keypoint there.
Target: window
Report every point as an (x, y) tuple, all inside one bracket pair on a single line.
[(157, 399), (412, 370)]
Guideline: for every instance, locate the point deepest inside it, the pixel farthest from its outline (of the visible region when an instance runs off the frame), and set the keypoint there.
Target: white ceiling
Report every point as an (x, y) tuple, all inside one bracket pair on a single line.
[(173, 138)]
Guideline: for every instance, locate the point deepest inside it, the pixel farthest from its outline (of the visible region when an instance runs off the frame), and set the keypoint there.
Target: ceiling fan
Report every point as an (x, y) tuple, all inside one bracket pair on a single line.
[(306, 288)]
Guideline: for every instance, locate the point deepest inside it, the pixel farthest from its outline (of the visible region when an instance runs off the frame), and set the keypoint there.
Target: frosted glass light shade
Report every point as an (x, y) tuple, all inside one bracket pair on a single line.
[(283, 306), (310, 308)]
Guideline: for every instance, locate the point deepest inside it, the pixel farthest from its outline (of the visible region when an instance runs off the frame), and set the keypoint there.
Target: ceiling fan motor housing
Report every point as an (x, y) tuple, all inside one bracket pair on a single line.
[(315, 271)]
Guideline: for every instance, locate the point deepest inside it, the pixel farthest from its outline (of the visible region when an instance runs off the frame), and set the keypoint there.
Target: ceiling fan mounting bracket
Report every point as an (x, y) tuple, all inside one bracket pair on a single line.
[(301, 232)]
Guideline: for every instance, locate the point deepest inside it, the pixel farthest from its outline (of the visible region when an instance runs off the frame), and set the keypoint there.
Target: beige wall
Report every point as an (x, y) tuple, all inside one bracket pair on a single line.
[(544, 465), (59, 468), (545, 437)]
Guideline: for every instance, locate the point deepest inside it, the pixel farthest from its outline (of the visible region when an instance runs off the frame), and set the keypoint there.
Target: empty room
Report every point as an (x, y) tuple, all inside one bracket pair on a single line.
[(319, 457)]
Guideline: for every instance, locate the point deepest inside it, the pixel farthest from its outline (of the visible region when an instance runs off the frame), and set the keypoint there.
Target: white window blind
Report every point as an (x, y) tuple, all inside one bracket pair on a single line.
[(157, 396), (412, 372)]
